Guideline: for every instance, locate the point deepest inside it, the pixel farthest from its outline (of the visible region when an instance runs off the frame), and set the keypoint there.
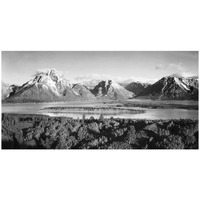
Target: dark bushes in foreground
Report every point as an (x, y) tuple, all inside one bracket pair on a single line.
[(43, 132)]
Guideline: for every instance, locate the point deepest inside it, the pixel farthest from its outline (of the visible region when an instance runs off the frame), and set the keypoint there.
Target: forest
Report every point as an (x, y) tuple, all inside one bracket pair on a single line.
[(43, 132)]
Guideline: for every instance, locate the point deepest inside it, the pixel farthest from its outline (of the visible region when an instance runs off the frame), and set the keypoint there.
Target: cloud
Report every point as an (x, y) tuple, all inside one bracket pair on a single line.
[(82, 78), (138, 79), (184, 74), (160, 67), (178, 69), (96, 77), (172, 66)]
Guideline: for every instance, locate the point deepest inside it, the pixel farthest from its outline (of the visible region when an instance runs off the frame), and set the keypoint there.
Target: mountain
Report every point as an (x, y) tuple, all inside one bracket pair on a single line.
[(90, 84), (50, 86), (44, 87), (125, 83), (171, 87), (136, 87), (83, 91), (111, 90), (5, 90)]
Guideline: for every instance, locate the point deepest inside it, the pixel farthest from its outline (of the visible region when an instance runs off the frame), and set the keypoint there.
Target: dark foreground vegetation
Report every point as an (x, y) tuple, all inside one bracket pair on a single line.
[(43, 132)]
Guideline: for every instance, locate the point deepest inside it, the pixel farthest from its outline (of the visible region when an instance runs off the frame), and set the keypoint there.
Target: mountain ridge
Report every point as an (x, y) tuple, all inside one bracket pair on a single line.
[(51, 86), (171, 87)]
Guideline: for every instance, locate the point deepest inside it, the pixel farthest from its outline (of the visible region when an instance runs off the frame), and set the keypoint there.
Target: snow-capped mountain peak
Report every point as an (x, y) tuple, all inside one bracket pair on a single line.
[(111, 90), (172, 87), (50, 85), (45, 86)]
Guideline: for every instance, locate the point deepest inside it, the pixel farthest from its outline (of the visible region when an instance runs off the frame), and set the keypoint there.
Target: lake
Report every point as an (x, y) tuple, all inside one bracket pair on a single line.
[(35, 108), (183, 102)]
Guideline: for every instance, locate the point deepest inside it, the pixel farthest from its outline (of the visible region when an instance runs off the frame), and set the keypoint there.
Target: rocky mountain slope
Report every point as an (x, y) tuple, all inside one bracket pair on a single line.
[(136, 87), (170, 87), (83, 91), (5, 90), (90, 84), (111, 90), (44, 87), (126, 82)]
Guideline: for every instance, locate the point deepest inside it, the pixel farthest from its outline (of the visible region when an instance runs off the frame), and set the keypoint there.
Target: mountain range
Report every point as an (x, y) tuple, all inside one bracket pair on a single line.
[(50, 86), (170, 87)]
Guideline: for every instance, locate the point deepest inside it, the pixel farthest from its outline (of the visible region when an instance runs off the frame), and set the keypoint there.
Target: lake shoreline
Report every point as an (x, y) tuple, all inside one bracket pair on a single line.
[(142, 103), (109, 109)]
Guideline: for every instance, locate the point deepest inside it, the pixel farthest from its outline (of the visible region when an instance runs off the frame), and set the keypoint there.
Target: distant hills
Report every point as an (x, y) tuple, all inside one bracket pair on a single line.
[(137, 87), (50, 86)]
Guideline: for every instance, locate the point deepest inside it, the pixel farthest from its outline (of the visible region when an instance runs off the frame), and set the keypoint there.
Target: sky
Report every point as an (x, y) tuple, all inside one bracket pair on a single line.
[(19, 67)]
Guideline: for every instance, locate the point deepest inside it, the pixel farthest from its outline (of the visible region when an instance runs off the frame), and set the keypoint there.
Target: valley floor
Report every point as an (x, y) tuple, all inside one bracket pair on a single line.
[(30, 131)]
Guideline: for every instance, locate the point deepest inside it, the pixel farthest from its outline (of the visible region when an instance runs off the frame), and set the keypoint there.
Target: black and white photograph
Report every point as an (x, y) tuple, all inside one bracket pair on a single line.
[(100, 100)]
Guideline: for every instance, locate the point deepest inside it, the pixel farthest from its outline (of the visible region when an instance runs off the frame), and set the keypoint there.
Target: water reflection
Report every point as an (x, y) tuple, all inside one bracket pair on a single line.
[(149, 114)]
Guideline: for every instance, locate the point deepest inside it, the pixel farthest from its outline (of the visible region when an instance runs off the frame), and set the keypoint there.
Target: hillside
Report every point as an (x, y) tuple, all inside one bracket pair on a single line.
[(90, 84), (84, 92), (136, 87)]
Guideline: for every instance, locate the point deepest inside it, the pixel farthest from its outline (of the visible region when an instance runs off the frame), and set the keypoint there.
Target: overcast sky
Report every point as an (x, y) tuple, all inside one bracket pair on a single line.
[(19, 67)]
